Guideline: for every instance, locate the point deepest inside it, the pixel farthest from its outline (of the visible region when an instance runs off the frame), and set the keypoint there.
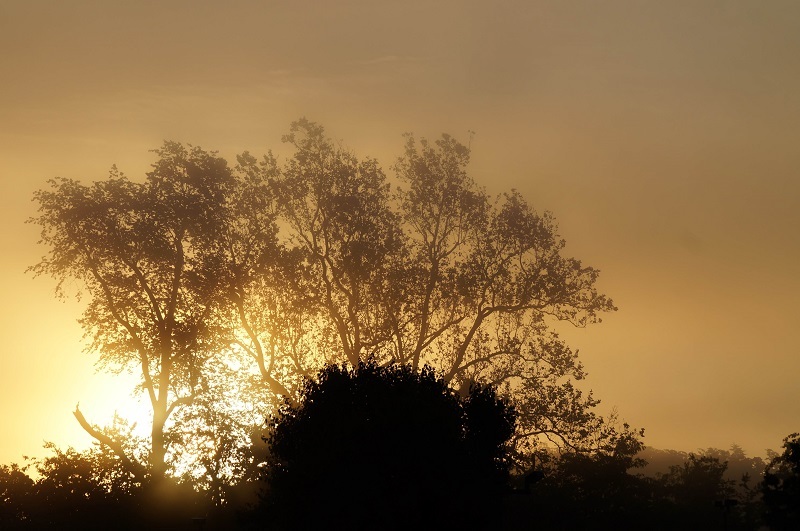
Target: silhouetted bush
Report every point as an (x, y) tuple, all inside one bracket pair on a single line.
[(90, 490), (377, 447), (15, 494)]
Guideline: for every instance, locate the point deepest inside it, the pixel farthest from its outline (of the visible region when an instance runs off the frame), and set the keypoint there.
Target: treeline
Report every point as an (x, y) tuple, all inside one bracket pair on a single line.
[(339, 458), (87, 490), (666, 489)]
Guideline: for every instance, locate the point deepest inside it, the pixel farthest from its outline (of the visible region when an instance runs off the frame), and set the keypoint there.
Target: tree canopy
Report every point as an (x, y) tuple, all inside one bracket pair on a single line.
[(140, 250), (220, 286)]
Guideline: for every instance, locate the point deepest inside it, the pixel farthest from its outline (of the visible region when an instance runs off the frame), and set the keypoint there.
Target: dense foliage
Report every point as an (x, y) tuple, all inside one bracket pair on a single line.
[(387, 447)]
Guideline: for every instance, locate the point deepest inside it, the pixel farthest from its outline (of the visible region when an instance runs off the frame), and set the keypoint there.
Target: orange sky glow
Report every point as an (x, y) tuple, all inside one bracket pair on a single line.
[(662, 136)]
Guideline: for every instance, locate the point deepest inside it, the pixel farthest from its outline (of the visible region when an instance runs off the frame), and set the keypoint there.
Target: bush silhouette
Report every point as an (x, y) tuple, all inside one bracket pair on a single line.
[(377, 447)]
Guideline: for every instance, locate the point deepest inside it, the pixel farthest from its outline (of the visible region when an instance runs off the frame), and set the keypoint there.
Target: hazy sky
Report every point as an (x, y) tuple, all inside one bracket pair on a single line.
[(662, 135)]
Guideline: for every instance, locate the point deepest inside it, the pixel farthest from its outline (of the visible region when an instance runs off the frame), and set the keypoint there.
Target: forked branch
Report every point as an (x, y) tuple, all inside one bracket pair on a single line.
[(133, 467)]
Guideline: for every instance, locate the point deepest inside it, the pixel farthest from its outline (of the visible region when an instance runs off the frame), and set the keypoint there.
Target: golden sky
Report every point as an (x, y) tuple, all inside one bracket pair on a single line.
[(662, 135)]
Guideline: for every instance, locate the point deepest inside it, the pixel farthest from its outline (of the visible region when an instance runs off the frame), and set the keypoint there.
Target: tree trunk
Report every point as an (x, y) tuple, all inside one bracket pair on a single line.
[(158, 451), (158, 448)]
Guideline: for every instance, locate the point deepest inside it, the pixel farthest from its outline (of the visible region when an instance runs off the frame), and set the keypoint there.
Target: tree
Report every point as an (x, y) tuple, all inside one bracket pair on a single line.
[(436, 272), (387, 447), (781, 486), (601, 490), (219, 285), (697, 490), (138, 251)]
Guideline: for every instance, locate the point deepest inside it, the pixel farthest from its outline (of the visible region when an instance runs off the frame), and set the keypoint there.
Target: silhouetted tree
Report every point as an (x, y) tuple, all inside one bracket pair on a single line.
[(167, 263), (739, 483), (781, 486), (592, 490), (696, 491), (15, 496), (437, 272), (216, 284), (387, 447), (137, 249)]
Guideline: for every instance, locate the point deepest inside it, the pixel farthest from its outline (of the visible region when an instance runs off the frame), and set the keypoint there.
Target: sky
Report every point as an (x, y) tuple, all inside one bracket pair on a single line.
[(662, 136)]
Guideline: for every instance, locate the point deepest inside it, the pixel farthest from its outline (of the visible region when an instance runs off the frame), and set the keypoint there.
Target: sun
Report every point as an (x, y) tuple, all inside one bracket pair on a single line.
[(110, 395)]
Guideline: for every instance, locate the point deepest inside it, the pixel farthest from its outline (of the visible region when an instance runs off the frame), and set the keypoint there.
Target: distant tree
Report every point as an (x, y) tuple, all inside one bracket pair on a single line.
[(740, 483), (387, 447), (601, 489), (213, 451), (742, 469), (697, 491), (659, 461), (781, 486)]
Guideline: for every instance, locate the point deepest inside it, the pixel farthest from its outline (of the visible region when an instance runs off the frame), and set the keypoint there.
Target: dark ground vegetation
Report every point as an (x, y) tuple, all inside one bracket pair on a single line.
[(385, 447)]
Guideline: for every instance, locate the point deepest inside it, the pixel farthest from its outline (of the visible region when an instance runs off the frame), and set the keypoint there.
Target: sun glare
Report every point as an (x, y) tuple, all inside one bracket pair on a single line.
[(113, 394)]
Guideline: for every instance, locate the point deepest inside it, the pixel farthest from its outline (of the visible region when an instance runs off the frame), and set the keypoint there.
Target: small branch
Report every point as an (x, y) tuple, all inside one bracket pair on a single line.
[(182, 401), (133, 467)]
